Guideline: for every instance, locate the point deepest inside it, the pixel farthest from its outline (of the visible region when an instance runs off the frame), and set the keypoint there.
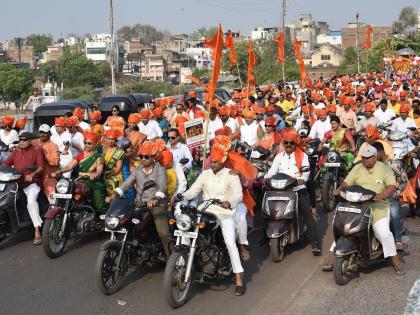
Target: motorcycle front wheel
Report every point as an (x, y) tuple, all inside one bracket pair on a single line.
[(276, 249), (329, 200), (177, 291), (53, 238), (342, 275), (109, 277)]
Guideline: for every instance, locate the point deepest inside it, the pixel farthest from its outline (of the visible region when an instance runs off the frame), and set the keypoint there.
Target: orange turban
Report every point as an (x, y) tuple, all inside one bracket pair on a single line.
[(328, 93), (225, 131), (165, 158), (224, 111), (370, 107), (145, 114), (91, 136), (260, 110), (248, 113), (21, 122), (113, 133), (403, 93), (305, 110), (134, 118), (218, 153), (290, 134), (393, 97), (192, 94), (332, 108), (72, 121), (158, 111), (223, 141), (316, 97), (79, 112), (160, 145), (359, 89), (95, 115), (348, 101), (321, 113), (372, 132), (148, 148), (270, 121), (180, 119), (7, 120), (405, 109), (215, 103), (60, 121), (269, 108)]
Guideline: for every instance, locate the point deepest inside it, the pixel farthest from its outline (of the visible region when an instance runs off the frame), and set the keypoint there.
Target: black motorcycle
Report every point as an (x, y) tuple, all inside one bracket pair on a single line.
[(356, 244), (281, 213), (134, 242), (14, 215), (200, 253), (71, 212), (335, 172)]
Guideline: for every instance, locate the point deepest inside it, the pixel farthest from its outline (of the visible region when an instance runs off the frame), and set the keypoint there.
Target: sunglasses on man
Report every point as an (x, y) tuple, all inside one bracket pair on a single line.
[(144, 157), (23, 140), (289, 143)]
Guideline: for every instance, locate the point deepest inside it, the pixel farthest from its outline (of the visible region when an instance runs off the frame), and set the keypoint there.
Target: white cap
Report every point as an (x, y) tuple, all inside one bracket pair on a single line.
[(369, 151), (44, 128)]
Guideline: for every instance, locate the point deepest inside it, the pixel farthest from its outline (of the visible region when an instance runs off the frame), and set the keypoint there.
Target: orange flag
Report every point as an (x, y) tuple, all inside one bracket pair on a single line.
[(368, 40), (216, 44), (194, 80), (251, 63), (301, 64), (280, 50), (231, 46)]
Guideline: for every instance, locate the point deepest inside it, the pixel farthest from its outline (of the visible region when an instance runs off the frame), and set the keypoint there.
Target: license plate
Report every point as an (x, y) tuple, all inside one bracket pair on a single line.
[(278, 198), (186, 234), (332, 164), (62, 196), (116, 231), (347, 209), (2, 187)]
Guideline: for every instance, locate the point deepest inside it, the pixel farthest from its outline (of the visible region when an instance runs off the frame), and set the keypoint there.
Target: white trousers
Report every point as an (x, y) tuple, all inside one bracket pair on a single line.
[(228, 227), (384, 236), (31, 193), (241, 224)]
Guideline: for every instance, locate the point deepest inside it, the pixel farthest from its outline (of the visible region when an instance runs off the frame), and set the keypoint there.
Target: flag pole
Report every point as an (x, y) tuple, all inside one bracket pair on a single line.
[(239, 75), (282, 69)]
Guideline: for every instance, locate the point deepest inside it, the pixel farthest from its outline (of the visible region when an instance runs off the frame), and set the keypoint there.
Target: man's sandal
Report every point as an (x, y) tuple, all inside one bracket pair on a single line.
[(399, 269)]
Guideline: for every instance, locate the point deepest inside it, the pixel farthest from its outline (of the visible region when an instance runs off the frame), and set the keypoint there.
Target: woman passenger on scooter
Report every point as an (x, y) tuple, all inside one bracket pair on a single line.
[(91, 163)]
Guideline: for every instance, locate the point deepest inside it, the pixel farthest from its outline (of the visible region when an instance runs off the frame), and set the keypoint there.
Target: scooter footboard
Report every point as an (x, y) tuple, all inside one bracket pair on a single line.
[(345, 246), (276, 229)]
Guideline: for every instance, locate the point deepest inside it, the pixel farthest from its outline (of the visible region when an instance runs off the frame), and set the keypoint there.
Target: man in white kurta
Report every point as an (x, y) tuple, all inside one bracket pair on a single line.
[(219, 183), (320, 127)]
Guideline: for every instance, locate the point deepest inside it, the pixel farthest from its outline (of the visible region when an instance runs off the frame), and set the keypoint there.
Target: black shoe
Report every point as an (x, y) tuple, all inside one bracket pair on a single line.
[(316, 250), (240, 290)]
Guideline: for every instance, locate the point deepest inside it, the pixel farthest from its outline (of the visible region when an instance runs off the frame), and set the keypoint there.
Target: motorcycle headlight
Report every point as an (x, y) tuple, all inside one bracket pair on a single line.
[(6, 177), (183, 222), (112, 222), (332, 156), (278, 183), (310, 151), (62, 186), (353, 196)]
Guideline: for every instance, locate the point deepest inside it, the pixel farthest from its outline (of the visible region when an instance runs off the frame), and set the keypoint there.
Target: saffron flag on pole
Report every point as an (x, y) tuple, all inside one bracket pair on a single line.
[(251, 64), (368, 40), (302, 71), (231, 46), (216, 44), (280, 50)]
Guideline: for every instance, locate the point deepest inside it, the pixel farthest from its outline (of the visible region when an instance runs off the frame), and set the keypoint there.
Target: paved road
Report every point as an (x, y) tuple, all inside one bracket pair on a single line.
[(31, 283)]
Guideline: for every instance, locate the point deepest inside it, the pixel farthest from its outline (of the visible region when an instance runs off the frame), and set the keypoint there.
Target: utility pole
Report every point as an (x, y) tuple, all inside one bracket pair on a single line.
[(111, 25), (357, 42), (283, 22)]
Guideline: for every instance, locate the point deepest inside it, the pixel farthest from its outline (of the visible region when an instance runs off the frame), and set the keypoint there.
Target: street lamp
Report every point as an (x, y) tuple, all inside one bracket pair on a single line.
[(111, 25), (357, 42)]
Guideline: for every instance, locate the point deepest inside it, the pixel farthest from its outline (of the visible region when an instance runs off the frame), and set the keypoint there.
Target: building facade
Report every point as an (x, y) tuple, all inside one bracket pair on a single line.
[(349, 34), (326, 54)]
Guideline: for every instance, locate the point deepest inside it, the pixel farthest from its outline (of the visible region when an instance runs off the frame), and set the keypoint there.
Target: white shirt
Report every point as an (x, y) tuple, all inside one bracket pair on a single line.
[(286, 164), (262, 124), (232, 124), (362, 124), (152, 129), (179, 152), (319, 128), (33, 102), (181, 181), (77, 139), (84, 125), (402, 125), (11, 137), (249, 133), (384, 116), (60, 139), (320, 105), (213, 126)]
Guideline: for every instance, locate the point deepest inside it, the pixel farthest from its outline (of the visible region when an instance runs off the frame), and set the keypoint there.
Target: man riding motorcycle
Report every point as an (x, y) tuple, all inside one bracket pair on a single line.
[(290, 161), (219, 182), (31, 162), (151, 170)]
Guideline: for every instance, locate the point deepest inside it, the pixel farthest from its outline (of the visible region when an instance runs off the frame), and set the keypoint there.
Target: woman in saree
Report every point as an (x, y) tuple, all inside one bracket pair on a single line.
[(115, 121), (114, 158), (94, 119), (130, 162), (132, 132), (91, 164), (340, 139), (270, 137)]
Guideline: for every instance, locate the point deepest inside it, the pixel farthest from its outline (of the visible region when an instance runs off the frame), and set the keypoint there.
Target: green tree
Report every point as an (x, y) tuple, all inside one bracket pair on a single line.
[(49, 71), (203, 32), (15, 83), (147, 34), (79, 92), (39, 42), (349, 62), (76, 70), (151, 87)]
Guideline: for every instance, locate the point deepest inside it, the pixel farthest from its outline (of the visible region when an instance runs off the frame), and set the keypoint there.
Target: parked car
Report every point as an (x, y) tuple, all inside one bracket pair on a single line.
[(221, 93), (128, 103)]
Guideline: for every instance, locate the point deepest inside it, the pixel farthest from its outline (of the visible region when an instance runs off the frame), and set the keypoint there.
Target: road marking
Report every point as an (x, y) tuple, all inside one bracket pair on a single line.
[(413, 299)]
